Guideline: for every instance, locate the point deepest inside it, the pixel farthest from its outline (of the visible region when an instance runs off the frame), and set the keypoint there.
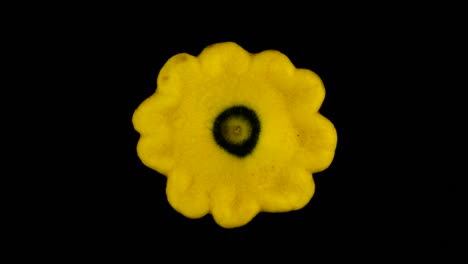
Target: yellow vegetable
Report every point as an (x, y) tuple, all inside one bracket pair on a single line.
[(235, 133)]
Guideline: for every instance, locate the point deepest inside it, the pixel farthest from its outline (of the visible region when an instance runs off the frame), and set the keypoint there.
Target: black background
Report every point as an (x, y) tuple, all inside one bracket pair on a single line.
[(375, 197)]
